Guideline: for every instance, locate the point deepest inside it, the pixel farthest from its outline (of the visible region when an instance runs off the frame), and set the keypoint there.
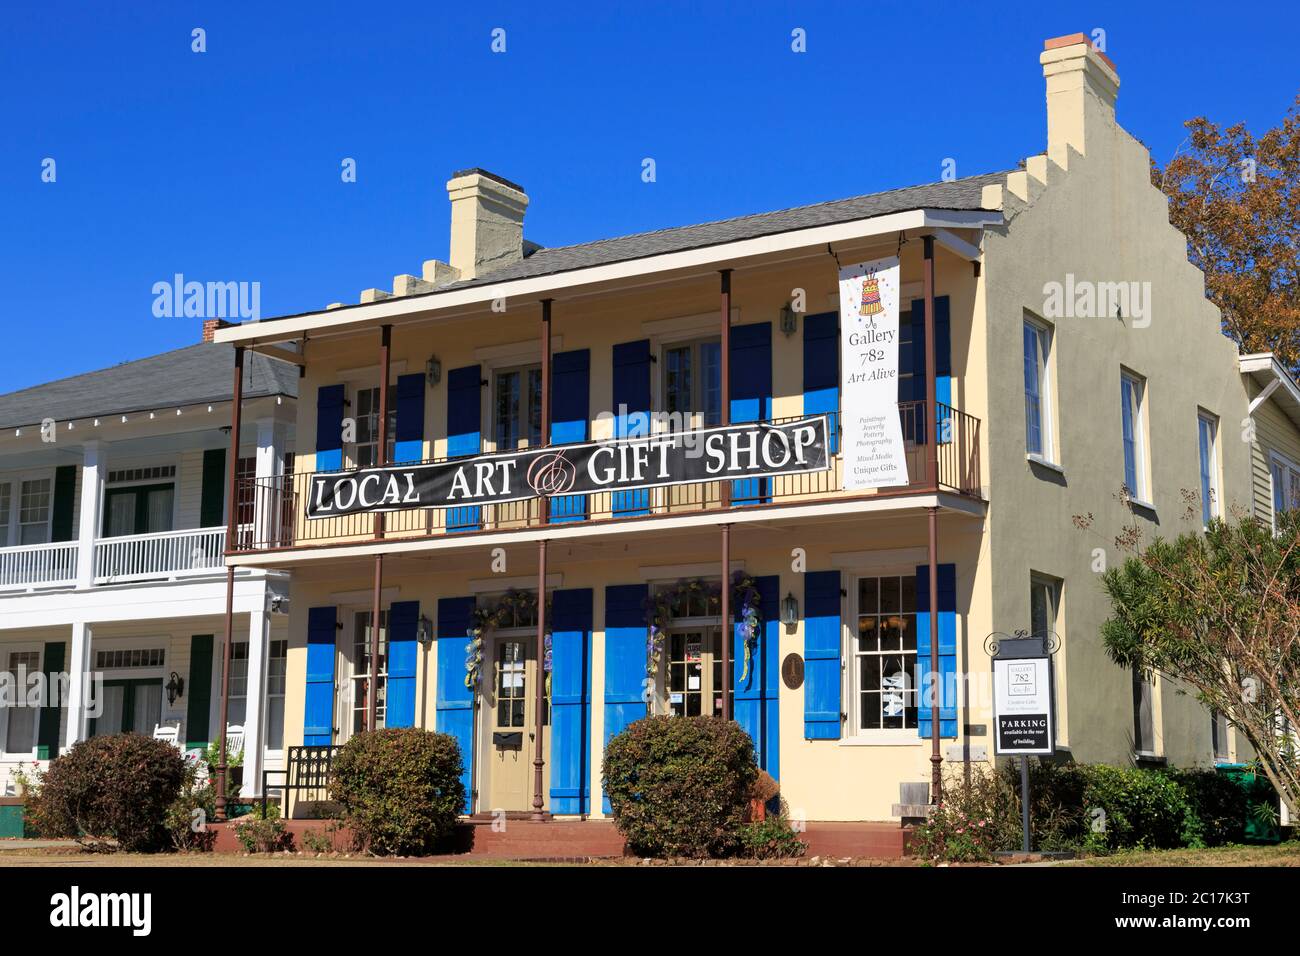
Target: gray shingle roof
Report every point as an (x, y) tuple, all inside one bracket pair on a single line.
[(187, 376), (961, 194)]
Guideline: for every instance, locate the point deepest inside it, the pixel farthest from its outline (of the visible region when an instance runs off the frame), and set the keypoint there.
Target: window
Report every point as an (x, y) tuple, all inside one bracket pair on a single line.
[(1132, 395), (1286, 484), (694, 672), (884, 654), (1038, 418), (1219, 735), (693, 382), (237, 711), (34, 511), (1208, 432), (138, 509), (20, 721), (365, 450), (361, 671), (1044, 599), (1144, 737), (129, 657), (276, 667), (510, 682), (517, 407)]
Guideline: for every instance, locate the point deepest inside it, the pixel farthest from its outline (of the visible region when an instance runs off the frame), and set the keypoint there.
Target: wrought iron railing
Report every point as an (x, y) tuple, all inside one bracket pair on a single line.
[(286, 495)]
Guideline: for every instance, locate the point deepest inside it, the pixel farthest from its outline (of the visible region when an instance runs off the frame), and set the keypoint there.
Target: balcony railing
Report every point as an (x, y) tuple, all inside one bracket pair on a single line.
[(141, 557), (38, 565), (286, 525)]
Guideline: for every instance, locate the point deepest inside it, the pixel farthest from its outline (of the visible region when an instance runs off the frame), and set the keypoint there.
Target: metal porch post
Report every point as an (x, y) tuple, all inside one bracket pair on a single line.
[(724, 494), (930, 419), (544, 510), (372, 698)]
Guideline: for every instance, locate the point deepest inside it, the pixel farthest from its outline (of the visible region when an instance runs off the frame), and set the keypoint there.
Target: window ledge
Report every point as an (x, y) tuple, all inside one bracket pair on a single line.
[(1143, 504), (901, 738), (1145, 759), (1044, 463)]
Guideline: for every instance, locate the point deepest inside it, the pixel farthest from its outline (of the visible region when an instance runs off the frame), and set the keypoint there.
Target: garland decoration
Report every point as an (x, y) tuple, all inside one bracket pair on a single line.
[(744, 588), (503, 614)]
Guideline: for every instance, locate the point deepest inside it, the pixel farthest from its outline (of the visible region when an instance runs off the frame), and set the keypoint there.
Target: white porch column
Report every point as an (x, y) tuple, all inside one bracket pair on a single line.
[(92, 501), (78, 665), (269, 467), (259, 635)]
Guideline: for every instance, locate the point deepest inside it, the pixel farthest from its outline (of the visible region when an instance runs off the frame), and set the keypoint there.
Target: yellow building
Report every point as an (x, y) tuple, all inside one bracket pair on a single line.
[(1060, 380)]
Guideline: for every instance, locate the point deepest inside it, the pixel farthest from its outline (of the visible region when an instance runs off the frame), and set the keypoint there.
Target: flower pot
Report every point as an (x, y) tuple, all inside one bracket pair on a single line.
[(757, 811)]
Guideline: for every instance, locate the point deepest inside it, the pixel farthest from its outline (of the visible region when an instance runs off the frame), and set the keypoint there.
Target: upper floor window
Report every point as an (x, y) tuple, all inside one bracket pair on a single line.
[(1207, 427), (366, 448), (1286, 484), (138, 509), (1038, 418), (517, 407), (693, 381), (1132, 399), (34, 511)]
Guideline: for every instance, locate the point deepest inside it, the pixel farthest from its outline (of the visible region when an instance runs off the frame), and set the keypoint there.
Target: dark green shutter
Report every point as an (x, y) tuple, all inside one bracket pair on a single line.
[(65, 493), (47, 743), (212, 510), (199, 690)]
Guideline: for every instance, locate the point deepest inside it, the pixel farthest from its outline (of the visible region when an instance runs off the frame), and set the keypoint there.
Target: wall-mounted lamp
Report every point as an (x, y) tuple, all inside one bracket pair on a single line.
[(433, 370), (279, 604), (175, 687), (789, 320), (789, 611), (424, 630)]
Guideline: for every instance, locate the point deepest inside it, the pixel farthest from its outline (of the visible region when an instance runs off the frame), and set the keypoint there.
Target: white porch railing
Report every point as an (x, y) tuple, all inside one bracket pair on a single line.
[(38, 565), (138, 557)]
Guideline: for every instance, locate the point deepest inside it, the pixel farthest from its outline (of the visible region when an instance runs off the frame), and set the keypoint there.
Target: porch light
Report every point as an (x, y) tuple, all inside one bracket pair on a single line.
[(175, 687), (424, 630), (789, 321), (789, 610), (433, 370)]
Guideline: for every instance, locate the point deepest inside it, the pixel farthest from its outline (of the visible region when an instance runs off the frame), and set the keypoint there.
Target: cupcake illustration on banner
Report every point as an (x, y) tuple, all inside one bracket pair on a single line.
[(871, 304)]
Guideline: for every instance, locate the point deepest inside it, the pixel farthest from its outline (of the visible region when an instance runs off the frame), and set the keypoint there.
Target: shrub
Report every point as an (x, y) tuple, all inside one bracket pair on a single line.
[(1220, 805), (111, 790), (1140, 809), (399, 789), (680, 786), (193, 809), (258, 835), (977, 815), (770, 839)]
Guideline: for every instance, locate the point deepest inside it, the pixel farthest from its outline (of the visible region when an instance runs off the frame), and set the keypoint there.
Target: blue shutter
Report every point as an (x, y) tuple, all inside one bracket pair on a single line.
[(570, 411), (570, 701), (821, 655), (329, 428), (947, 649), (409, 440), (625, 655), (756, 697), (464, 434), (751, 396), (403, 620), (821, 371), (942, 364), (454, 703), (631, 392), (318, 696)]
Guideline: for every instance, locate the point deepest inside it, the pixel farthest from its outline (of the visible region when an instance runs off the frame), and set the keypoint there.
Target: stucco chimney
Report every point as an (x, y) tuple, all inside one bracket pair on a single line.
[(487, 222), (1082, 85)]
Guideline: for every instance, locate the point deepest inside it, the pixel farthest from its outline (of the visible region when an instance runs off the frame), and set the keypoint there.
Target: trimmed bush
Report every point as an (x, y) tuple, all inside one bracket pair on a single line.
[(1219, 803), (680, 786), (399, 789), (111, 790)]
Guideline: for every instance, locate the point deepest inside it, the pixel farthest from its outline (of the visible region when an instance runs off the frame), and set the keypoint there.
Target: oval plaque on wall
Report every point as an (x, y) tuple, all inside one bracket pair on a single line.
[(792, 671)]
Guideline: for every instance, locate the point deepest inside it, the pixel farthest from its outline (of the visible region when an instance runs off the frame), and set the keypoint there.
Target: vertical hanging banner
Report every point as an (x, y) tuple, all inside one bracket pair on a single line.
[(873, 451)]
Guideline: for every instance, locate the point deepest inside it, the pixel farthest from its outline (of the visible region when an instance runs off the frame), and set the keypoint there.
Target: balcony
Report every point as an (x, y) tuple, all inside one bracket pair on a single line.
[(285, 525), (138, 557)]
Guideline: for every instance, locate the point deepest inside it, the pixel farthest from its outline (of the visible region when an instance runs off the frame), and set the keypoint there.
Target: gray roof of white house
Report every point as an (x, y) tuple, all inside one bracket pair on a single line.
[(186, 376)]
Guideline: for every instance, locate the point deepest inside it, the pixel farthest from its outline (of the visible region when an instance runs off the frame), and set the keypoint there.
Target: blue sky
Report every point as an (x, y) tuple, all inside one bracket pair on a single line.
[(225, 165)]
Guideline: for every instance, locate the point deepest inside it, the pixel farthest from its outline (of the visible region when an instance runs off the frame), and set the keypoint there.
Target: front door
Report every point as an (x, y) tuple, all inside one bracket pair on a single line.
[(510, 722), (129, 706), (693, 682)]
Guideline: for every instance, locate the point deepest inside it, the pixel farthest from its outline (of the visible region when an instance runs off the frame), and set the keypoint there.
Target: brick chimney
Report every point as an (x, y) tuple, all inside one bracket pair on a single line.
[(1082, 85), (487, 222), (211, 325)]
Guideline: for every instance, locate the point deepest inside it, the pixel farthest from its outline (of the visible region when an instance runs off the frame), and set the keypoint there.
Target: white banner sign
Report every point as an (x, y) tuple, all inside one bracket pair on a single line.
[(873, 452)]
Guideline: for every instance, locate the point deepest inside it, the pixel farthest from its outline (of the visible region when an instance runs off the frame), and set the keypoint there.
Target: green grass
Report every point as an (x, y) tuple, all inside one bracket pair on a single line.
[(1284, 854)]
